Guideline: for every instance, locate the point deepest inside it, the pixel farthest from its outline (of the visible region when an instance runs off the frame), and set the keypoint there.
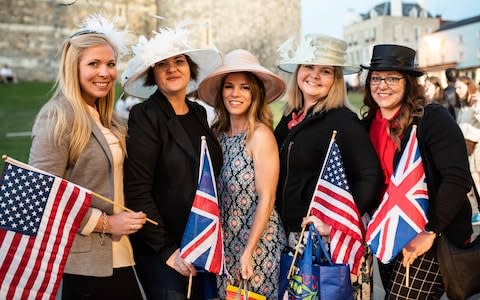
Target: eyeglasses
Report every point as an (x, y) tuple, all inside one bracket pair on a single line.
[(390, 80)]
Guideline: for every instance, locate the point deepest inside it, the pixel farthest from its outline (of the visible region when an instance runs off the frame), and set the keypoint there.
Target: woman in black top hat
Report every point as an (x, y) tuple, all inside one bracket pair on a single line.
[(394, 101)]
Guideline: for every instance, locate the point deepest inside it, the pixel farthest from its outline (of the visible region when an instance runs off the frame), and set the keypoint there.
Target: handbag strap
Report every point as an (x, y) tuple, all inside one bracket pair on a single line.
[(243, 285), (322, 247)]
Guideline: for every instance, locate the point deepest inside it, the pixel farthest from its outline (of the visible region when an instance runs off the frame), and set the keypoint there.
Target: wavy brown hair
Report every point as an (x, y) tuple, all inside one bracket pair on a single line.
[(258, 112), (412, 105)]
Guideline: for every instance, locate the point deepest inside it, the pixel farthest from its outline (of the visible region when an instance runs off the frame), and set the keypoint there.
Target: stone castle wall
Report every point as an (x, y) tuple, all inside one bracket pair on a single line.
[(33, 30)]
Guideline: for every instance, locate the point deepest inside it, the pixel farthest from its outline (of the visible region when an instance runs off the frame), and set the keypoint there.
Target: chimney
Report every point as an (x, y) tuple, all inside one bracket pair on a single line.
[(396, 8), (422, 4)]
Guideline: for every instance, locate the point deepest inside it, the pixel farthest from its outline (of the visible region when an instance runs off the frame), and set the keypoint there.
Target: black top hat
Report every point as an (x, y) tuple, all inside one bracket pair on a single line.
[(393, 58)]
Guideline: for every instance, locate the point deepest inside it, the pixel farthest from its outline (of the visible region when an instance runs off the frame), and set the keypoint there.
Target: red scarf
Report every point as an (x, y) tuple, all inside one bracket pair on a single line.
[(296, 119), (383, 144)]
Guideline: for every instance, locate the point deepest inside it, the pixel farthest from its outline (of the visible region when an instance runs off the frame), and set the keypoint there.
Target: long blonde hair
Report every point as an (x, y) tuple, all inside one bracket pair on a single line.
[(337, 96), (257, 112), (68, 86)]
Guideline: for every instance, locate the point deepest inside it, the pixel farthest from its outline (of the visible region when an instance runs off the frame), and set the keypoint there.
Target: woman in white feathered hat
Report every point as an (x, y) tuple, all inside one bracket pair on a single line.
[(76, 136), (161, 171)]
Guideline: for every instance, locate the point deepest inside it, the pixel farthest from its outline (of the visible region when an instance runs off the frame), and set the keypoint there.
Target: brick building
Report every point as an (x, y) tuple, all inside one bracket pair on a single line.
[(33, 30)]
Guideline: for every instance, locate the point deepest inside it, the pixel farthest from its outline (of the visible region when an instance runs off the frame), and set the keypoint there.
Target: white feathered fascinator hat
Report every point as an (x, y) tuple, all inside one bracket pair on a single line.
[(315, 49), (166, 43), (99, 24)]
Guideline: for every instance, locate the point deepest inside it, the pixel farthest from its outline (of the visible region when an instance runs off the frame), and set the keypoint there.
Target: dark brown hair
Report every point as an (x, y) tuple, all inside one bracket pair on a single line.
[(150, 79), (413, 102)]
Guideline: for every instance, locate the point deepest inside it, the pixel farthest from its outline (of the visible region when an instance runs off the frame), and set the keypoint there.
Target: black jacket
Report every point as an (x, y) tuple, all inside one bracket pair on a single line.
[(161, 172), (302, 152), (445, 161)]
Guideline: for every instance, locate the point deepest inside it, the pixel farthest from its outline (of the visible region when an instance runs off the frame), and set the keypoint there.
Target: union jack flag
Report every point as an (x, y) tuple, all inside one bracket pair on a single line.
[(402, 213), (202, 242), (332, 202)]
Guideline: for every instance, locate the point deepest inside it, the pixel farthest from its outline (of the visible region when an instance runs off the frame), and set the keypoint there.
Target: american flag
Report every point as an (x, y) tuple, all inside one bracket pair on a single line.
[(202, 242), (402, 213), (332, 202), (39, 216)]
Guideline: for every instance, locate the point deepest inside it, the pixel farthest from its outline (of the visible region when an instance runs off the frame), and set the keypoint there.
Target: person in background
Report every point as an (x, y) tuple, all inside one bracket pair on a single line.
[(435, 94), (7, 75), (241, 90), (316, 107), (76, 136), (395, 102), (123, 106), (161, 171), (193, 96), (451, 74), (469, 121)]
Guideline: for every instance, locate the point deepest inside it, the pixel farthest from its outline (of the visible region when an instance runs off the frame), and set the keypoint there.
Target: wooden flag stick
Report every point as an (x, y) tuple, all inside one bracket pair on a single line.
[(119, 205), (297, 247), (332, 139), (407, 276), (9, 159), (189, 291)]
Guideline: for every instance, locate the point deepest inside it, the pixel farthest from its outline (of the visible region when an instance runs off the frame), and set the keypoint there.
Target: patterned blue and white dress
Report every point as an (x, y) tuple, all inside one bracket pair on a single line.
[(238, 201)]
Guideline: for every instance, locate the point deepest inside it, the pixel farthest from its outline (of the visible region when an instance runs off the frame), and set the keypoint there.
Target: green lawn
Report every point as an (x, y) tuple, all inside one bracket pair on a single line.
[(19, 104)]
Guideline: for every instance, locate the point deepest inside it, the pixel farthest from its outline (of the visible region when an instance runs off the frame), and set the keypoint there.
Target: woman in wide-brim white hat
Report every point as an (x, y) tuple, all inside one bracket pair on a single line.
[(163, 145), (241, 90), (316, 107)]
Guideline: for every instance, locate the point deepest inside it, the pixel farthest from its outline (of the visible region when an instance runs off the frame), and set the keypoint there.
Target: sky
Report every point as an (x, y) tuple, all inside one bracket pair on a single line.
[(328, 16)]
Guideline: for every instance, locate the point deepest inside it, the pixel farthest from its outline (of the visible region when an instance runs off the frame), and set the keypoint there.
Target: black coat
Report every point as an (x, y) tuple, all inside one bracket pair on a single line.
[(302, 152), (447, 172), (161, 172)]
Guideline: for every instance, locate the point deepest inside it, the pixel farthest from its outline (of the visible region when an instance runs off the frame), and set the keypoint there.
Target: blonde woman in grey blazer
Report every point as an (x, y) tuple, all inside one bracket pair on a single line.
[(75, 136)]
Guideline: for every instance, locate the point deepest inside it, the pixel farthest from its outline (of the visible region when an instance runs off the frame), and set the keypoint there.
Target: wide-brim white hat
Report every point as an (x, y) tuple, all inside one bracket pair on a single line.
[(165, 44), (315, 49), (241, 60)]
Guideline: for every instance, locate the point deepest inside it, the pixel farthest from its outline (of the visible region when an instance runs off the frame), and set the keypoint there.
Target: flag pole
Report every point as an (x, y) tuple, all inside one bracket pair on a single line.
[(189, 291), (6, 158), (407, 276), (297, 246)]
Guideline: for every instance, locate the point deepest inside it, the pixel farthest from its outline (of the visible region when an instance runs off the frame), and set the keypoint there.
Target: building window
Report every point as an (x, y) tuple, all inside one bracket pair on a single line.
[(417, 33), (460, 39), (460, 56), (413, 12)]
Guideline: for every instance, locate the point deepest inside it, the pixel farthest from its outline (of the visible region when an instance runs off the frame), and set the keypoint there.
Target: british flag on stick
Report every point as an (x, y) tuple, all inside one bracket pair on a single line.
[(403, 211), (202, 243), (332, 202)]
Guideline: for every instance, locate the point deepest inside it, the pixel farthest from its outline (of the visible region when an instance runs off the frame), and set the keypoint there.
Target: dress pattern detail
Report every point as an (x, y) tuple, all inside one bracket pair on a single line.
[(238, 201)]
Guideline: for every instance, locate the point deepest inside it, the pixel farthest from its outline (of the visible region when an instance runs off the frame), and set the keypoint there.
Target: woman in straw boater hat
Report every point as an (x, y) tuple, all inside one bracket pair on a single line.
[(161, 171), (76, 136), (395, 103), (316, 107), (241, 90)]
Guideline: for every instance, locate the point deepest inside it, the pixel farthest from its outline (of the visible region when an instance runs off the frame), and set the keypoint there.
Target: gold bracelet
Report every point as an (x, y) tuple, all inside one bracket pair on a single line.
[(104, 228)]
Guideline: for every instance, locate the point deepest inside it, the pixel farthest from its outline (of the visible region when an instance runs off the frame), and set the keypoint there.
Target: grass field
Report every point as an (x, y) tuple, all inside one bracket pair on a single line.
[(19, 104)]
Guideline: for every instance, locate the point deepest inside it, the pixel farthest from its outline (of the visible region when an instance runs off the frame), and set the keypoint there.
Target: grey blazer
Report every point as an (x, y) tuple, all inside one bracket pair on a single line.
[(93, 170)]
